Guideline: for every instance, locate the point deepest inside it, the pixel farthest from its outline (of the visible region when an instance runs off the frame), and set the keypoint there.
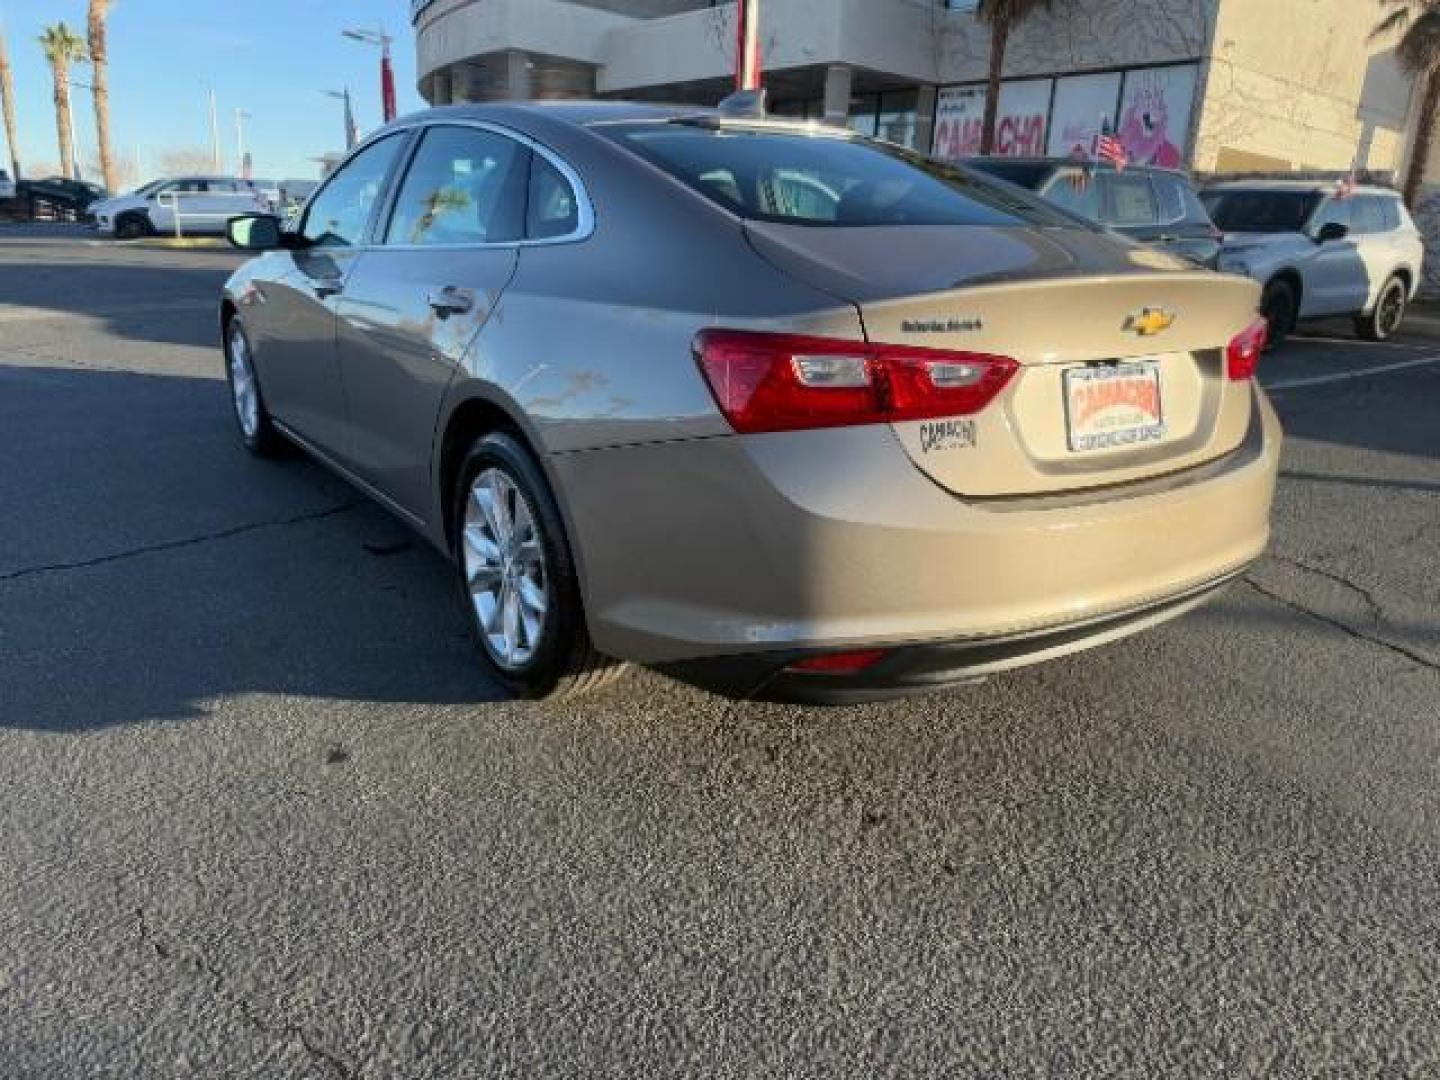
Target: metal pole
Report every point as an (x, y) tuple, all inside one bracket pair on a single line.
[(387, 78), (76, 173), (240, 137), (215, 134)]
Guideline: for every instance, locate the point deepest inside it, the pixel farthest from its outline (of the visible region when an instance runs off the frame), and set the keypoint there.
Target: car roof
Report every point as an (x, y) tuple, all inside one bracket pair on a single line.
[(1067, 160), (589, 113), (1303, 187)]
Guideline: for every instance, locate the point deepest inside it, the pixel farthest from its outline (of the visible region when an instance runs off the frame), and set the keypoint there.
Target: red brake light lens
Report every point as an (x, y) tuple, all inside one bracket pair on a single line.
[(789, 382), (844, 663), (1242, 355)]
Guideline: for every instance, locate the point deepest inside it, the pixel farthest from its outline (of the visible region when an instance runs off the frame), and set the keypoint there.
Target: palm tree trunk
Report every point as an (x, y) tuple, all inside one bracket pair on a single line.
[(63, 128), (999, 38), (99, 9), (7, 104), (1424, 138)]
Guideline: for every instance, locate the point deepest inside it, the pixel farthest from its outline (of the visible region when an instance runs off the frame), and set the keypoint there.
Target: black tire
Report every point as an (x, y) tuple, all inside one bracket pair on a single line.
[(132, 226), (1385, 320), (261, 438), (562, 662), (1280, 306)]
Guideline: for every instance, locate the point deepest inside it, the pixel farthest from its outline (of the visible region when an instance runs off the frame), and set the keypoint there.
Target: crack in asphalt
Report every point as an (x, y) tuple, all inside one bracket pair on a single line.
[(199, 964), (1377, 611), (1405, 651), (183, 542)]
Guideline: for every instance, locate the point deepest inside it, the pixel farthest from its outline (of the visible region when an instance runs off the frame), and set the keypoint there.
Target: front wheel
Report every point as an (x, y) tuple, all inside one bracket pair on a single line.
[(1384, 321), (517, 576), (132, 227), (256, 431)]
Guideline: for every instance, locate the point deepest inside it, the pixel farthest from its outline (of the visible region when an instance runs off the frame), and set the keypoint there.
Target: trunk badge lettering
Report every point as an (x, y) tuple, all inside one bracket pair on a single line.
[(1147, 322), (942, 326)]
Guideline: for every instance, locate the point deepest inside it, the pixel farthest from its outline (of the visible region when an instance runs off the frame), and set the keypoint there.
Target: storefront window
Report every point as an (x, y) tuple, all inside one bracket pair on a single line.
[(899, 110)]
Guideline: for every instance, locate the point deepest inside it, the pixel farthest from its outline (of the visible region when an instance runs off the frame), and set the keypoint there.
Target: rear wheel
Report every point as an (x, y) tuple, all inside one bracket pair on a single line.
[(1383, 322), (1279, 306), (517, 576)]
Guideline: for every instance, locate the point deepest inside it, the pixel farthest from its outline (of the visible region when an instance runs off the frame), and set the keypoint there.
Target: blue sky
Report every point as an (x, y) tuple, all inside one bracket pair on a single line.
[(273, 58)]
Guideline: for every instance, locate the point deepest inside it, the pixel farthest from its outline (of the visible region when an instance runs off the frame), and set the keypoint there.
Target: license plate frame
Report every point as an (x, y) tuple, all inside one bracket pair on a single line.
[(1132, 388)]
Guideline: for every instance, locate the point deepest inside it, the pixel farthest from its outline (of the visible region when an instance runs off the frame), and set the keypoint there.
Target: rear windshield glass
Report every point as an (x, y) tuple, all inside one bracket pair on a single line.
[(1260, 211), (798, 179)]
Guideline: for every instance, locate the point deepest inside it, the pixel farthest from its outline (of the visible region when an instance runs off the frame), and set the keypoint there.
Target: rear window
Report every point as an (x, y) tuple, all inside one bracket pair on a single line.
[(1260, 211), (799, 179)]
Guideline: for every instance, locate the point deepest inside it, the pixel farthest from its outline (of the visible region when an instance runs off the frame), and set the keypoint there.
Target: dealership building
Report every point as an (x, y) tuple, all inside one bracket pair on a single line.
[(1210, 85)]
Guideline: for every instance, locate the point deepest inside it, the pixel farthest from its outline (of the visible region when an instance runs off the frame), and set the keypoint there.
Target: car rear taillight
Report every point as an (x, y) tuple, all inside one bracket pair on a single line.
[(1242, 355), (841, 663), (788, 382)]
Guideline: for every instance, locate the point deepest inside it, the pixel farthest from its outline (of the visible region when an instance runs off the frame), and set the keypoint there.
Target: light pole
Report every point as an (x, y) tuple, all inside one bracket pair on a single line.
[(71, 81), (387, 73), (240, 117), (351, 135), (215, 159)]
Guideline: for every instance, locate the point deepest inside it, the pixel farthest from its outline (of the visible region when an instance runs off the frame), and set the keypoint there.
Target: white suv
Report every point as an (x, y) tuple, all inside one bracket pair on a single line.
[(204, 203), (1320, 250)]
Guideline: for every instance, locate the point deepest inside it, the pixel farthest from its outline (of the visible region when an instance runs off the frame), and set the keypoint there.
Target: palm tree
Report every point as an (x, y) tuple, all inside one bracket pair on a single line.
[(63, 48), (1418, 53), (1001, 16), (95, 32), (7, 104)]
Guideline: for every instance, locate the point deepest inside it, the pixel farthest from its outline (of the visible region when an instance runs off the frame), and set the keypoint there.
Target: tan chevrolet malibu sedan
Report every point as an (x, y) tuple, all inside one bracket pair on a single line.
[(778, 409)]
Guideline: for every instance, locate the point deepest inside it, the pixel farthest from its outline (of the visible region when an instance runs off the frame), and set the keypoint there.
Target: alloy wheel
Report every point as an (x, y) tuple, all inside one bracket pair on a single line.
[(243, 387), (504, 563), (1392, 309)]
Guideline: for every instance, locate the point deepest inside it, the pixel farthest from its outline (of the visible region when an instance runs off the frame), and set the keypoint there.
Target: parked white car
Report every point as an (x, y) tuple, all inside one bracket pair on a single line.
[(204, 204), (1320, 250), (7, 186)]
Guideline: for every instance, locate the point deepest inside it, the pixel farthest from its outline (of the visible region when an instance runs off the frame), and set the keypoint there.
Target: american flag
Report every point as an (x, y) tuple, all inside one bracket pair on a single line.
[(1111, 149)]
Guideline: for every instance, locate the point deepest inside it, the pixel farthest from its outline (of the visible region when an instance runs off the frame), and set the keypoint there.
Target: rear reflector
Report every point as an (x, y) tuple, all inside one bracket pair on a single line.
[(787, 382), (843, 663), (1242, 355)]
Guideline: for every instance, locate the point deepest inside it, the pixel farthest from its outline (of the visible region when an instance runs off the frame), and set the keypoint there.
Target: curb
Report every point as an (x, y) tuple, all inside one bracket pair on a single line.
[(191, 243)]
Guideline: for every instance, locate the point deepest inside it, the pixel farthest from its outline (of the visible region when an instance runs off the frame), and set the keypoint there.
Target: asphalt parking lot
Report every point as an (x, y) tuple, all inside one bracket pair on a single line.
[(261, 815)]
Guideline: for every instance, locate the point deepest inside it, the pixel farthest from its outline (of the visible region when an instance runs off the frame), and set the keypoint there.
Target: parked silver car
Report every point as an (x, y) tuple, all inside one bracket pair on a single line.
[(781, 409), (1320, 250)]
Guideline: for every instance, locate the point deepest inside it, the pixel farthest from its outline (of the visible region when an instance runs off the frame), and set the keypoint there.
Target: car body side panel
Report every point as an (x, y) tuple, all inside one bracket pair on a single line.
[(398, 356)]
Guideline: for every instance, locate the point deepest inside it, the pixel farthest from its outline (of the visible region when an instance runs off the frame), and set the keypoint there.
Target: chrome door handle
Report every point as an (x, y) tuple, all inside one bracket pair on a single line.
[(451, 301)]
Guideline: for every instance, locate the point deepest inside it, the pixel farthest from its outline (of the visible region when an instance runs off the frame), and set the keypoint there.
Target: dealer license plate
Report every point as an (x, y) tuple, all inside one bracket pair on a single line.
[(1113, 405)]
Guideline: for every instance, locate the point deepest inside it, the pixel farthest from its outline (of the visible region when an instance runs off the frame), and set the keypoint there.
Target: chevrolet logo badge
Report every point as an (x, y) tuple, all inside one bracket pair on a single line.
[(1147, 322)]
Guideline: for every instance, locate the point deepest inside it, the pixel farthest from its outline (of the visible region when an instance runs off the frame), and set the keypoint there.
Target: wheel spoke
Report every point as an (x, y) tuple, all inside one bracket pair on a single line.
[(511, 624), (500, 491), (532, 596), (481, 546)]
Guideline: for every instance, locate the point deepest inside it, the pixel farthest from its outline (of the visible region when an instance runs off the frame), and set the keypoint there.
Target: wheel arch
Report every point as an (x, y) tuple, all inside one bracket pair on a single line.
[(1292, 277)]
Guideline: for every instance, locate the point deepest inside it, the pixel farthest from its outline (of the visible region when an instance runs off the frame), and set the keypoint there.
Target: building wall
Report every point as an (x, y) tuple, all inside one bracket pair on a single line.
[(1083, 35), (1297, 84)]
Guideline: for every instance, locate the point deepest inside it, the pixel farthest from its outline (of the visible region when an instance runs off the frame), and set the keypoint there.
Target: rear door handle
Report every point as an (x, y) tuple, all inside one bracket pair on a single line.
[(451, 301), (326, 289)]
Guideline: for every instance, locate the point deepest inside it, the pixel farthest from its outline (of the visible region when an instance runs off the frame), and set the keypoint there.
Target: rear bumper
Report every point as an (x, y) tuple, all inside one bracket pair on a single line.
[(785, 545), (912, 669)]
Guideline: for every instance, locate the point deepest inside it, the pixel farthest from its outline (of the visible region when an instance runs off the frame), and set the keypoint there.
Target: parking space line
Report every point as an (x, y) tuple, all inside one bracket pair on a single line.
[(1346, 376)]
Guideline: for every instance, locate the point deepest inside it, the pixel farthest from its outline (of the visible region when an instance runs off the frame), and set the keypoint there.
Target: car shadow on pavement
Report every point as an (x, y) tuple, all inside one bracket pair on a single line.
[(149, 566), (140, 298)]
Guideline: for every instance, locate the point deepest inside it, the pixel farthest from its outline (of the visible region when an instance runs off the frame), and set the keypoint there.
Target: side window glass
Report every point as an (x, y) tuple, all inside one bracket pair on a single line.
[(1369, 214), (1170, 194), (1390, 212), (339, 213), (1132, 200), (552, 209), (465, 186), (1077, 189)]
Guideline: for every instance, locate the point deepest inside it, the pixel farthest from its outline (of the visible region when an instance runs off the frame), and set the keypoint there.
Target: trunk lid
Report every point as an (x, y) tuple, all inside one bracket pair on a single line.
[(1107, 333)]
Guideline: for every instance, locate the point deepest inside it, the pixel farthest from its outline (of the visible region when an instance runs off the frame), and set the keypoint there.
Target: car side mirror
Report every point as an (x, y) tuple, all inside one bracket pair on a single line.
[(255, 232), (1332, 230)]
